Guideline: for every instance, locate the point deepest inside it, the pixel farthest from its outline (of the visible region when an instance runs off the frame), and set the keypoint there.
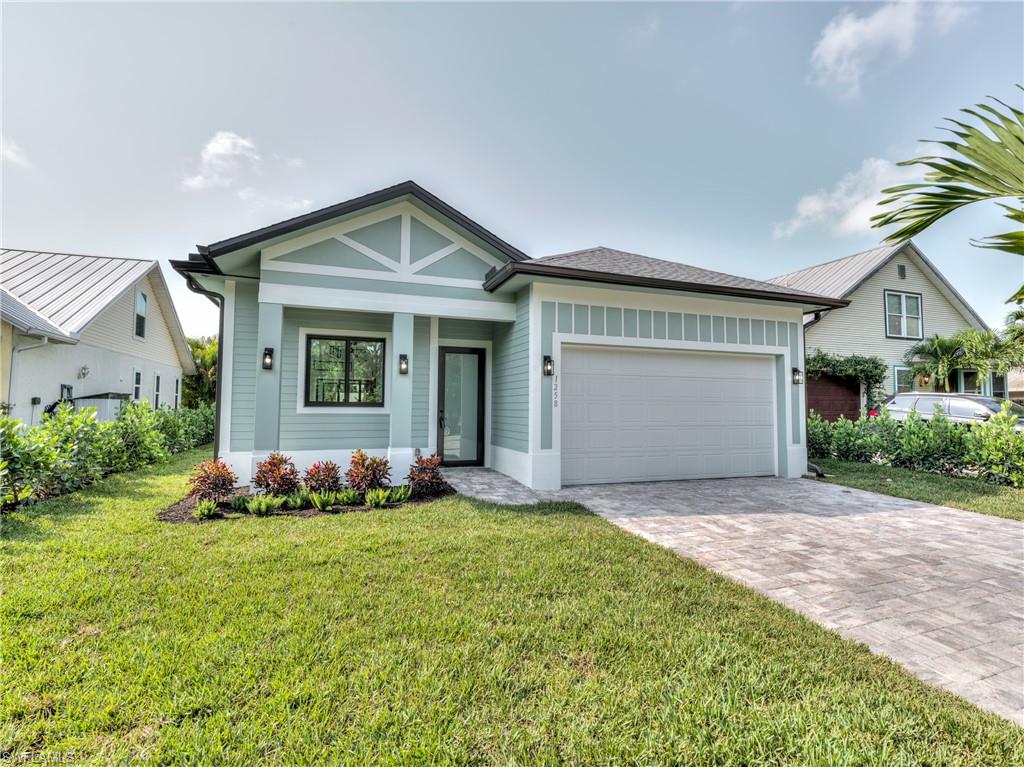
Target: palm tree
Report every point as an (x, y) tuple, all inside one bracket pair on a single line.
[(985, 166), (936, 357), (201, 387), (1015, 325)]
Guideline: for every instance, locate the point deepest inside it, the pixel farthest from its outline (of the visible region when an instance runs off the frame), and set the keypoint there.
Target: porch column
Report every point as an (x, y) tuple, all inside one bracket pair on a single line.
[(268, 382), (400, 449)]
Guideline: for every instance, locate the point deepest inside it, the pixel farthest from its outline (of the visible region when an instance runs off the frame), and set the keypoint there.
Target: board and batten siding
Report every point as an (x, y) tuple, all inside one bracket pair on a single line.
[(114, 328), (244, 366), (510, 388), (860, 327), (359, 428)]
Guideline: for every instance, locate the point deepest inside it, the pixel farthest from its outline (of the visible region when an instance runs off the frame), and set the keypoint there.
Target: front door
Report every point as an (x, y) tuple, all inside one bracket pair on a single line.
[(460, 406)]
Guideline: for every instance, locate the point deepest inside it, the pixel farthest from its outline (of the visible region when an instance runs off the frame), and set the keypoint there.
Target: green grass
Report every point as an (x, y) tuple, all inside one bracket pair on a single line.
[(958, 492), (456, 632)]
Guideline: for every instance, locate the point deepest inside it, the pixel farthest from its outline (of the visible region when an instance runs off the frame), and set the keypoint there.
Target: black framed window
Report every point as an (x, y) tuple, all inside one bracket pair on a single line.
[(344, 372)]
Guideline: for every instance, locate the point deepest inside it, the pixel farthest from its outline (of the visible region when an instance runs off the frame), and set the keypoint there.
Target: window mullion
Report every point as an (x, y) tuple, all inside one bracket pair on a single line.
[(348, 369)]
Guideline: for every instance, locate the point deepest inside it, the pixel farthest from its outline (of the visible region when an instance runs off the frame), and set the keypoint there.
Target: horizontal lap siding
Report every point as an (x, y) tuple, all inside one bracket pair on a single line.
[(243, 368), (326, 431), (421, 382), (511, 371), (465, 330)]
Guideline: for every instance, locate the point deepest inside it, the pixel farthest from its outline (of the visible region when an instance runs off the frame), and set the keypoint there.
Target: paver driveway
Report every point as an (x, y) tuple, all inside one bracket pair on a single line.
[(939, 590)]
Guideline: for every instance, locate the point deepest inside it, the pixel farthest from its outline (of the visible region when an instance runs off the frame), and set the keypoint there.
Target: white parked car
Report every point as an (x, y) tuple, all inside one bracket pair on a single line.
[(968, 409)]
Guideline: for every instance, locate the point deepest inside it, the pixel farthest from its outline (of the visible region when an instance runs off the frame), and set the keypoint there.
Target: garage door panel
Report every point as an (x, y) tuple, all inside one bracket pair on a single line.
[(632, 415)]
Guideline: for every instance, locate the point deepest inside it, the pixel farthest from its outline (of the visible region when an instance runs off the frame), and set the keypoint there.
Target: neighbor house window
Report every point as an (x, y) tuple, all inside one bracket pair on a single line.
[(903, 315), (344, 371), (156, 391), (137, 385), (140, 314), (177, 391), (970, 383), (903, 379), (999, 386)]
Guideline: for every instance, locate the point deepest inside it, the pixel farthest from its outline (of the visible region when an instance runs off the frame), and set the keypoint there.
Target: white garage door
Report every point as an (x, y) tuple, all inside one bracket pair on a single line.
[(635, 415)]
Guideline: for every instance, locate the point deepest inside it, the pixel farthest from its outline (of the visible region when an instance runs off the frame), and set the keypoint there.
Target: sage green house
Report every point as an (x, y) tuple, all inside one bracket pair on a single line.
[(395, 324)]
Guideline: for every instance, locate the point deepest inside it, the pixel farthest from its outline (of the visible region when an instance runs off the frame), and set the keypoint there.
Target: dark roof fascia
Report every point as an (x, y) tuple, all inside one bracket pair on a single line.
[(406, 188), (194, 266), (496, 277)]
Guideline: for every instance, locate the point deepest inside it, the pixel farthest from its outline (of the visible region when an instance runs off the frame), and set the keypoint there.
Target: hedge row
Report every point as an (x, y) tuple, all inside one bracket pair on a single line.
[(71, 449), (993, 450)]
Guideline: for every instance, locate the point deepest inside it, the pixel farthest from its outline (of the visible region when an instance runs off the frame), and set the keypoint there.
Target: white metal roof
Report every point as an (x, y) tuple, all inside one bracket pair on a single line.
[(27, 321), (69, 290)]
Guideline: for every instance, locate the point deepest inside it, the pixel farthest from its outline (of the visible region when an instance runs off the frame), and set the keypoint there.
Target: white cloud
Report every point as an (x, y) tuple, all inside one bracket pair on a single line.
[(848, 206), (13, 154), (221, 160), (850, 43)]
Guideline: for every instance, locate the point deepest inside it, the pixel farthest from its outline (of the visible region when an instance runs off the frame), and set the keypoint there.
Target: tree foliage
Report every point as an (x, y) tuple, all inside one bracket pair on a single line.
[(983, 165), (201, 387)]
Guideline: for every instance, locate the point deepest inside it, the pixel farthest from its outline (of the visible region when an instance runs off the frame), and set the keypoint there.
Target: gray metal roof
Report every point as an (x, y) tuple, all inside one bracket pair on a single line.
[(602, 259), (69, 290), (839, 278), (27, 321)]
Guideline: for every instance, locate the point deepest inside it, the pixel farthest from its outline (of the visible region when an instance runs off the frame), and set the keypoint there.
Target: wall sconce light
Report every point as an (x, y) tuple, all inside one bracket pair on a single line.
[(403, 364), (549, 365), (798, 376), (268, 358)]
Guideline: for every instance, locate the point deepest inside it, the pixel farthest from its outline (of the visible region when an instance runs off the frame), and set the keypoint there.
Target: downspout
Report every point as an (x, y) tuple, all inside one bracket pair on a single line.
[(218, 299), (42, 340)]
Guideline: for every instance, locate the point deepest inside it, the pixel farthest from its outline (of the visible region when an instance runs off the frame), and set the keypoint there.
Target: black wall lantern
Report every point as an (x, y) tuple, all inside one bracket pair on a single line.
[(268, 358), (549, 365), (403, 364), (798, 376)]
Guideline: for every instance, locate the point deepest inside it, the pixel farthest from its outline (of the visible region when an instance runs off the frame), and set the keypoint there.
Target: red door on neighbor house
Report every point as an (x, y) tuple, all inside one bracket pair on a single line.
[(831, 397)]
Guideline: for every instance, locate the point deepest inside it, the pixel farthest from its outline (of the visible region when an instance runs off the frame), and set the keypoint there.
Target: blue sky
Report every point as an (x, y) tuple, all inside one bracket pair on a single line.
[(748, 138)]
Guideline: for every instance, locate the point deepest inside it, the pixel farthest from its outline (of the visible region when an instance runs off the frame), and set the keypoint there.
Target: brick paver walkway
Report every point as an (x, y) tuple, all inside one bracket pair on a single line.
[(939, 590)]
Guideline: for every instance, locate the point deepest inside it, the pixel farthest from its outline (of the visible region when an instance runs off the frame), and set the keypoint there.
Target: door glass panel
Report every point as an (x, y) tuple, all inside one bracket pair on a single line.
[(971, 382), (461, 406), (998, 386)]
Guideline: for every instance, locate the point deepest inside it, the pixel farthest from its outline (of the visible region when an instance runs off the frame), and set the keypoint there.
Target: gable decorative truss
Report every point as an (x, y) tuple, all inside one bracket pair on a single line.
[(397, 243)]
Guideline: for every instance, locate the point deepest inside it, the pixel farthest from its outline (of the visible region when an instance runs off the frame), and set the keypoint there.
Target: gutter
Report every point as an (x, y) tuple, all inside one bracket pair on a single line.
[(499, 275)]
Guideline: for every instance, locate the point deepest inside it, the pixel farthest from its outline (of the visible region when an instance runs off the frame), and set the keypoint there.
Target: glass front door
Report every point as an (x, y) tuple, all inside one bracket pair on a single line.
[(460, 417)]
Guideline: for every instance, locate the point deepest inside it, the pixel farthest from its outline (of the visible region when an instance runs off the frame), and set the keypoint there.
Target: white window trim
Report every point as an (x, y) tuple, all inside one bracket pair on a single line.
[(136, 376), (903, 313), (300, 383), (135, 314), (895, 384)]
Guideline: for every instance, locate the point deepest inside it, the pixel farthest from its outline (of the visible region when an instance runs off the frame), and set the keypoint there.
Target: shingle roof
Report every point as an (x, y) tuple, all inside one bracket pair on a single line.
[(839, 278), (27, 321), (68, 290), (611, 261)]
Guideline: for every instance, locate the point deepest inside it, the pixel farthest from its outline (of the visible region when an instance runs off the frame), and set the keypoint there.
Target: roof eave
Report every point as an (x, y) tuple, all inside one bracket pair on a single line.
[(496, 277)]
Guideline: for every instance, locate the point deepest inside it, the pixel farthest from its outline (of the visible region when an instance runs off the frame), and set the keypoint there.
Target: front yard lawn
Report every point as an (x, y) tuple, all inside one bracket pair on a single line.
[(958, 492), (454, 632)]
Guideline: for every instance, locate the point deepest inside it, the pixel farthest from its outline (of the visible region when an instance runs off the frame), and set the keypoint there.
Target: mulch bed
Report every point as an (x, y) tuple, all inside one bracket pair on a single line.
[(183, 512)]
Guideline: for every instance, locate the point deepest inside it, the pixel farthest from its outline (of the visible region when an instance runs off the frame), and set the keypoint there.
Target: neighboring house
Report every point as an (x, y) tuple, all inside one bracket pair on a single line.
[(1015, 384), (394, 324), (91, 329), (897, 297)]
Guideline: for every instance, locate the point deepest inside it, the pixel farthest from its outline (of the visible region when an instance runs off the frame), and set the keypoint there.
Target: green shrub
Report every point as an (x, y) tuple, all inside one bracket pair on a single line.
[(425, 478), (141, 442), (366, 473), (997, 449), (212, 480), (185, 428), (401, 494), (323, 501), (84, 449), (378, 497), (819, 437), (240, 503), (263, 505), (26, 461), (882, 433), (297, 499), (348, 496), (917, 444), (276, 475), (206, 509), (847, 440)]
